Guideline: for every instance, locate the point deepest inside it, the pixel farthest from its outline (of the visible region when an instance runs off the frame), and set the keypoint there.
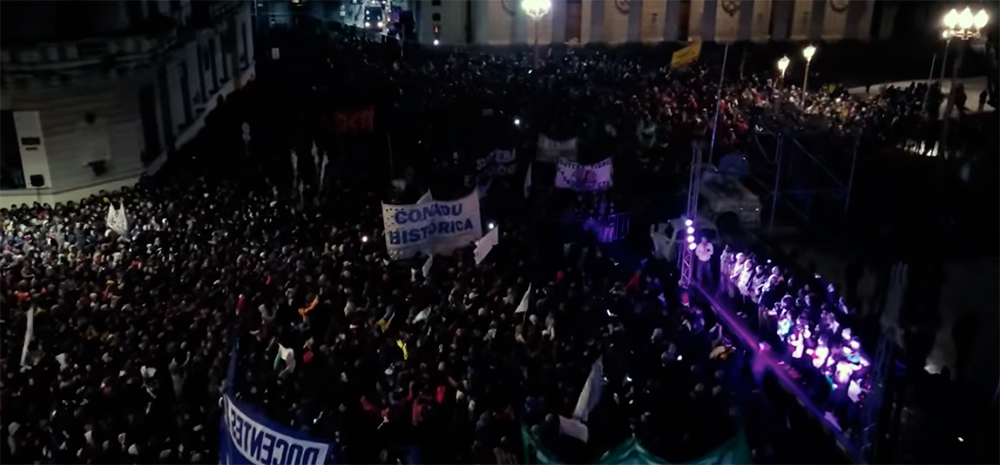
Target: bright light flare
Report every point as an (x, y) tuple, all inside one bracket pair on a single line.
[(364, 238), (536, 8)]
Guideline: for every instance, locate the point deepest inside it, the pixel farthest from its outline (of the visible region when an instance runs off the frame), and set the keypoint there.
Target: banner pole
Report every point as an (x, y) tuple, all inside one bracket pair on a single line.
[(392, 167)]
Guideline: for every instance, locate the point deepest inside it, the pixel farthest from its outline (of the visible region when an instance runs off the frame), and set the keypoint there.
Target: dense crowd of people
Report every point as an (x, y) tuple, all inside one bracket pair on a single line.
[(116, 344)]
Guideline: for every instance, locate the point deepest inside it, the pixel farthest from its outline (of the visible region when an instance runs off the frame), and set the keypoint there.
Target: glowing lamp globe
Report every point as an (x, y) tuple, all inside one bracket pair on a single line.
[(783, 64), (951, 19), (536, 8), (808, 52), (966, 20), (981, 19)]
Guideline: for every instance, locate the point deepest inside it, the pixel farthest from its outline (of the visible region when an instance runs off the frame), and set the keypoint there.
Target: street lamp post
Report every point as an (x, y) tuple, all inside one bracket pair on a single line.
[(963, 26), (782, 67), (947, 44), (536, 9), (808, 53)]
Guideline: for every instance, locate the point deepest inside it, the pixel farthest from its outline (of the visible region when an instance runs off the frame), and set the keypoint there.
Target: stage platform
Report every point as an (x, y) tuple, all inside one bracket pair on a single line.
[(781, 367)]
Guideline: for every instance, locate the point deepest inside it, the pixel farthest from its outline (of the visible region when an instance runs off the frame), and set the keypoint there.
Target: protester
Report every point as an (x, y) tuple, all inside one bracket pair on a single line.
[(117, 342)]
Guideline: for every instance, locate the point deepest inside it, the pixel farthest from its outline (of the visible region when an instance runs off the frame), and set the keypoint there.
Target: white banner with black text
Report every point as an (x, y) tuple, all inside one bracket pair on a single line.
[(595, 177)]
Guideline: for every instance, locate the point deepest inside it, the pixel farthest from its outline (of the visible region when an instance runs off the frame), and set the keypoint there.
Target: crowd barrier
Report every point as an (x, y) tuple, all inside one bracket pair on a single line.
[(609, 228)]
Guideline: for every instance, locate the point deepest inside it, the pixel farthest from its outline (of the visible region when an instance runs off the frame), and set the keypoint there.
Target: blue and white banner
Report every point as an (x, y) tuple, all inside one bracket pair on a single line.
[(499, 162), (250, 438), (571, 175), (434, 227)]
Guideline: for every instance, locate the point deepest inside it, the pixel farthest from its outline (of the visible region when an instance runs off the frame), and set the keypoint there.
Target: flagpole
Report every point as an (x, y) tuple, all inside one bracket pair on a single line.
[(392, 170), (718, 104)]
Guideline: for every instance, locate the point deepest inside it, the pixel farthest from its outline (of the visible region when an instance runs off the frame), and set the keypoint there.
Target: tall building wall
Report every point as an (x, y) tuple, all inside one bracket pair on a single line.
[(143, 95)]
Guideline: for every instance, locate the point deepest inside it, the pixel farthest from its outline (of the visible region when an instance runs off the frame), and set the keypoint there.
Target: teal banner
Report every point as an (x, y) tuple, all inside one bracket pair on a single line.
[(733, 451)]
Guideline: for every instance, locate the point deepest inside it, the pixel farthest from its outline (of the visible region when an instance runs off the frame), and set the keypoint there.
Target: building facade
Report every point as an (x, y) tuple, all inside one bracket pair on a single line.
[(580, 22), (91, 98)]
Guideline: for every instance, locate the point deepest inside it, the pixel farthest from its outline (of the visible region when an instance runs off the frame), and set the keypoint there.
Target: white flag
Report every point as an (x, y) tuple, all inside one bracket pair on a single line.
[(426, 269), (322, 171), (523, 306), (29, 334), (527, 182), (591, 393), (573, 428), (117, 221), (426, 198), (484, 245), (422, 315), (112, 217), (286, 355), (123, 221), (315, 154)]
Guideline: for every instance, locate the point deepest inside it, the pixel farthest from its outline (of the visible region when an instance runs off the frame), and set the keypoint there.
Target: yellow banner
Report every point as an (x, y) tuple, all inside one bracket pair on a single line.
[(685, 56)]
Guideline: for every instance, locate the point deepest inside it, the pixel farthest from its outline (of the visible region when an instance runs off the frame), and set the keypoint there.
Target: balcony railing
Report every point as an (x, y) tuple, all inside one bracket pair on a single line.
[(114, 51), (61, 56)]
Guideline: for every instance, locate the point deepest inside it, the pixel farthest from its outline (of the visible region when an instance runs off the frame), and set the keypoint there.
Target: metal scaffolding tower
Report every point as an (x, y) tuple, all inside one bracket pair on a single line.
[(882, 365), (687, 253)]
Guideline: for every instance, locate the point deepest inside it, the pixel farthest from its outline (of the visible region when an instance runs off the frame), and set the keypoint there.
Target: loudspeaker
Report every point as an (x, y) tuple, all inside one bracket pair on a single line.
[(37, 180), (98, 167)]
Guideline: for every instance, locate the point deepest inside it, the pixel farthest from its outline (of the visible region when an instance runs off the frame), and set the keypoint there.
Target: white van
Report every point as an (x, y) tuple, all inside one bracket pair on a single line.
[(669, 237), (727, 202)]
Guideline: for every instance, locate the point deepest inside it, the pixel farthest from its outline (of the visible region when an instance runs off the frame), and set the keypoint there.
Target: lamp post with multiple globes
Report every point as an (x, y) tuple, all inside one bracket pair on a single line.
[(782, 67), (963, 26)]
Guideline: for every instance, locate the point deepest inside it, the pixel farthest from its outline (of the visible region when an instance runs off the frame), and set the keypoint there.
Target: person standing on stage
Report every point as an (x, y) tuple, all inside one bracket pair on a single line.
[(726, 262), (704, 252)]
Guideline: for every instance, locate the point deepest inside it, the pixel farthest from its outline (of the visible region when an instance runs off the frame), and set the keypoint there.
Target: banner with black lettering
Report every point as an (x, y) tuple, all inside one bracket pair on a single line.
[(550, 151), (433, 227), (249, 437), (596, 177)]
